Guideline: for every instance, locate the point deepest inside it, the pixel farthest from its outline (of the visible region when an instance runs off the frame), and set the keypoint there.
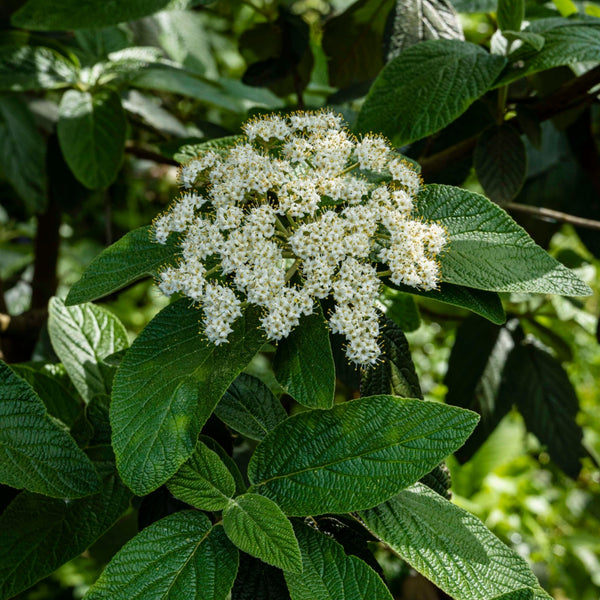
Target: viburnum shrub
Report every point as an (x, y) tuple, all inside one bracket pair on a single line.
[(278, 247)]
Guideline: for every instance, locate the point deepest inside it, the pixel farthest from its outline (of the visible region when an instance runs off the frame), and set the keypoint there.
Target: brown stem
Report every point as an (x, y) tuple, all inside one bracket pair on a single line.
[(554, 215), (149, 155)]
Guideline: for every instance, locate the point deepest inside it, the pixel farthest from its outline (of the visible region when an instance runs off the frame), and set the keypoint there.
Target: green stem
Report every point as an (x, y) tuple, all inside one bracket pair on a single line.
[(292, 270), (279, 225), (348, 169), (212, 271)]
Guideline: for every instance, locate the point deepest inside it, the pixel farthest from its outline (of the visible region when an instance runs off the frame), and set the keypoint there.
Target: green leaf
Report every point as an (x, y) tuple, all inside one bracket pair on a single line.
[(500, 160), (257, 526), (401, 308), (257, 580), (328, 574), (59, 401), (534, 40), (250, 407), (203, 481), (91, 131), (355, 455), (35, 453), (25, 68), (303, 363), (522, 594), (489, 251), (415, 21), (546, 399), (22, 152), (510, 14), (39, 534), (167, 386), (81, 337), (72, 14), (135, 256), (395, 374), (220, 145), (176, 558), (352, 42), (448, 545), (426, 88), (240, 485)]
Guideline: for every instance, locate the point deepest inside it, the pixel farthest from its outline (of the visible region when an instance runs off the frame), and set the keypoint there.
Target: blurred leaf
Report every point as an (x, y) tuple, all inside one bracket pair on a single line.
[(81, 337), (135, 256), (488, 250), (475, 6), (169, 384), (24, 68), (434, 82), (220, 145), (100, 42), (414, 21), (22, 152), (303, 363), (72, 14), (151, 112), (258, 526), (500, 161), (203, 481), (383, 443), (258, 581), (40, 534), (329, 573), (36, 453), (510, 13), (353, 42), (248, 406), (91, 131), (545, 397), (176, 558), (463, 558), (401, 308)]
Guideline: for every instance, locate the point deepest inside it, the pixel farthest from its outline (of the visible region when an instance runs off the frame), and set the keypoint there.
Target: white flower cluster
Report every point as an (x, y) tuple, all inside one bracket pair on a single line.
[(288, 217)]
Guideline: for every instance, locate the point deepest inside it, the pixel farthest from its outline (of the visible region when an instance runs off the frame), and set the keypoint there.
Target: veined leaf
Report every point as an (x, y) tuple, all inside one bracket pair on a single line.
[(135, 256), (522, 594), (510, 14), (35, 453), (489, 251), (257, 526), (250, 407), (448, 545), (427, 87), (91, 131), (81, 337), (176, 558), (39, 534), (304, 363), (240, 484), (219, 145), (25, 68), (167, 386), (257, 580), (328, 574), (203, 480), (357, 454)]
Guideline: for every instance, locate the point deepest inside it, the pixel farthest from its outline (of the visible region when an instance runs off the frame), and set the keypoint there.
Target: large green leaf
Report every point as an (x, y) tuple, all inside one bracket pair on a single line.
[(22, 152), (426, 88), (258, 526), (24, 68), (489, 251), (203, 481), (177, 558), (545, 397), (328, 574), (250, 407), (448, 545), (35, 452), (510, 14), (167, 386), (304, 363), (257, 580), (91, 131), (74, 14), (81, 337), (134, 256), (39, 534), (357, 454)]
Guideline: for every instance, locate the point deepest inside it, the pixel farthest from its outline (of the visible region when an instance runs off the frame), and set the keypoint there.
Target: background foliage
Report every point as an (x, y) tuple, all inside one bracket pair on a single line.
[(97, 107)]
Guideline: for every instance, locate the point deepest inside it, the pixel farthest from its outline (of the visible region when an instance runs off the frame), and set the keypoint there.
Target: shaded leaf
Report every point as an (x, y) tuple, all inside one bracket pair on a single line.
[(303, 363), (240, 485), (258, 581), (355, 455), (167, 386), (510, 14), (35, 453), (81, 337), (176, 558), (328, 574), (258, 526), (250, 407)]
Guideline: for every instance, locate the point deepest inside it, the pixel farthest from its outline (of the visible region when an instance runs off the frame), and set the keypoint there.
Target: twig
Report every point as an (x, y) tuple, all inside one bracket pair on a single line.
[(26, 324), (554, 215), (150, 155)]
